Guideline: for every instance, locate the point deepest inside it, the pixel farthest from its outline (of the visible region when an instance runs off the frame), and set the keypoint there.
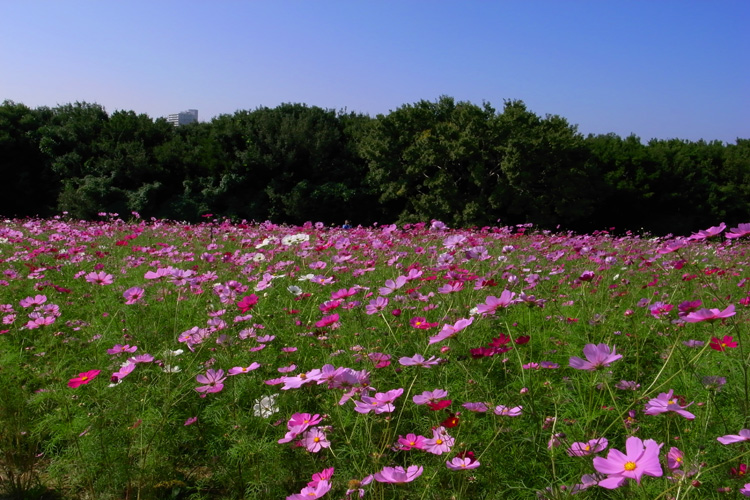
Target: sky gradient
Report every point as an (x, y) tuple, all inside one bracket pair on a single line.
[(658, 69)]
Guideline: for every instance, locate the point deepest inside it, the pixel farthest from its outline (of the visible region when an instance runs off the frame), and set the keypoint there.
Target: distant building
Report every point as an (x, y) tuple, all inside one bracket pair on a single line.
[(183, 117)]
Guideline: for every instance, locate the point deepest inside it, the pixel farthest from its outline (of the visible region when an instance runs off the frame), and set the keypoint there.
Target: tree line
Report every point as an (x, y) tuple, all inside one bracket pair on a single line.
[(458, 162)]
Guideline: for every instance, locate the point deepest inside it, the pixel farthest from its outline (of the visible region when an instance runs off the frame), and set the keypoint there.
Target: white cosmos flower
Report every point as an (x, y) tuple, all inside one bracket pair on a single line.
[(265, 406), (294, 290)]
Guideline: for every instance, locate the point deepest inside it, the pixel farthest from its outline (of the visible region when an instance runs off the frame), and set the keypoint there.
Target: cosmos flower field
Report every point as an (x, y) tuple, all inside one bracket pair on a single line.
[(156, 359)]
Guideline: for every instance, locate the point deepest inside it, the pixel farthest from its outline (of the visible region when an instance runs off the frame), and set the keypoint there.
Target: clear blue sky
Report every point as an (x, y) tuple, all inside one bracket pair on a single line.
[(655, 68)]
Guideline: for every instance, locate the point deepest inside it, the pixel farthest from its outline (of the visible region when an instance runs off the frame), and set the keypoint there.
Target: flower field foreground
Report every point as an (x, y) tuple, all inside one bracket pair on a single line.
[(163, 360)]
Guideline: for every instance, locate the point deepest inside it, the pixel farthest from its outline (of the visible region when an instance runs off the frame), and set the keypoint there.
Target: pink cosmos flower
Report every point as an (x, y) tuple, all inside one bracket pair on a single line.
[(704, 234), (710, 314), (391, 286), (674, 458), (579, 449), (328, 321), (476, 407), (243, 369), (739, 231), (323, 475), (465, 462), (119, 349), (744, 435), (37, 300), (429, 396), (641, 458), (298, 424), (660, 309), (100, 278), (450, 330), (441, 442), (123, 372), (718, 344), (665, 402), (212, 380), (133, 295), (505, 411), (83, 378), (597, 356), (418, 360), (410, 441), (492, 303), (398, 475), (311, 493), (376, 305), (315, 440)]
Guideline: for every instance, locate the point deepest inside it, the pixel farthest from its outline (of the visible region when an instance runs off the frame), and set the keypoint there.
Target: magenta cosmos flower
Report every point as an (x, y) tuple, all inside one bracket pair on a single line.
[(212, 381), (597, 356), (641, 458), (83, 378), (665, 402), (744, 435), (397, 475)]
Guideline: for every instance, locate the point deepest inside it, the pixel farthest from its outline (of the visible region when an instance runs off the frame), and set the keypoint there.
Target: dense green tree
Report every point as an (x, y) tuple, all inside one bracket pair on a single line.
[(434, 160), (31, 185), (545, 163)]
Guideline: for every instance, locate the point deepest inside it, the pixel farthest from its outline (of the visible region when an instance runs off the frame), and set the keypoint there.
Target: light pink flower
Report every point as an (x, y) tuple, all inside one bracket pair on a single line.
[(441, 442), (463, 463), (580, 449), (641, 458), (418, 360), (243, 369), (505, 411), (311, 493), (664, 402), (450, 330), (710, 314), (315, 440), (597, 356), (212, 380), (397, 475), (492, 303), (744, 435)]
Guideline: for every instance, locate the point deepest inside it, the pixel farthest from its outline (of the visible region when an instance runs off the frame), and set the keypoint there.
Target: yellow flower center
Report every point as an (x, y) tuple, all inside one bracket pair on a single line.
[(438, 441), (587, 447), (630, 466), (316, 439), (671, 401)]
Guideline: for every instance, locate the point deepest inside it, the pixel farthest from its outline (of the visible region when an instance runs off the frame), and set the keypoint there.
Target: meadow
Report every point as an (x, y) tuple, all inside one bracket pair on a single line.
[(162, 360)]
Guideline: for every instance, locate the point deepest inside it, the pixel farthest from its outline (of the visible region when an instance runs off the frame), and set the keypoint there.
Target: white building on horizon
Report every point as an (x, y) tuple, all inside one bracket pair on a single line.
[(183, 117)]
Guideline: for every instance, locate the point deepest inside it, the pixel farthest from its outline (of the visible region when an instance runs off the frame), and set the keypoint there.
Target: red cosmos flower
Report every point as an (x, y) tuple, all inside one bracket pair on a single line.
[(83, 378), (439, 405), (722, 344), (451, 421), (499, 341), (247, 303), (524, 339), (421, 323), (739, 471)]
